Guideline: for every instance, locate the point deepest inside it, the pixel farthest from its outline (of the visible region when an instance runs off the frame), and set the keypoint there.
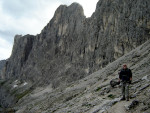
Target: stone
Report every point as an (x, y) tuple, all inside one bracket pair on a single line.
[(146, 78), (132, 105), (144, 87), (144, 108), (133, 95)]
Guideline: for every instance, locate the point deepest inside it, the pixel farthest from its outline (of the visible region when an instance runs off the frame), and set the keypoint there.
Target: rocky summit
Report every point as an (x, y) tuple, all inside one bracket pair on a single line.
[(69, 65)]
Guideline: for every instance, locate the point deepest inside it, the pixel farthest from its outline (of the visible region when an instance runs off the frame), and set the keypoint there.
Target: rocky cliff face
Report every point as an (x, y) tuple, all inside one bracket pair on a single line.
[(2, 64), (72, 46), (92, 94)]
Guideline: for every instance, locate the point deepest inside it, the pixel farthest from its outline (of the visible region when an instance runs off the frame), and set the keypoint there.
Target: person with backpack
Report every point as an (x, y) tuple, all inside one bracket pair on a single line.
[(125, 77)]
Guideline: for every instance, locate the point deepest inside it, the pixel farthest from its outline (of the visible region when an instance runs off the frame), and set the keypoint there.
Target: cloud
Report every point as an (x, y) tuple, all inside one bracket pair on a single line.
[(6, 35), (30, 17), (26, 17), (5, 48)]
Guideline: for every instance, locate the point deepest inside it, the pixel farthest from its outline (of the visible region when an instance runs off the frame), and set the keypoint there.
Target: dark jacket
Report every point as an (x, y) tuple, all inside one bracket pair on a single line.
[(125, 74)]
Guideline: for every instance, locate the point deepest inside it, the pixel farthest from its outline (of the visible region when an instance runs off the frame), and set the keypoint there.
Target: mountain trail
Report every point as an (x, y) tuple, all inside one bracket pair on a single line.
[(119, 107)]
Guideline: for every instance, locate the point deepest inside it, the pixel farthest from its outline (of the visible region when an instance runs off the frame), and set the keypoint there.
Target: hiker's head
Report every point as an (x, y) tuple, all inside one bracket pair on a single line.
[(124, 66)]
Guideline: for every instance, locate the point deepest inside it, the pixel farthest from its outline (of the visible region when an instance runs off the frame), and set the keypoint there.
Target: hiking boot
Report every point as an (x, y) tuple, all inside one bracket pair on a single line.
[(123, 98)]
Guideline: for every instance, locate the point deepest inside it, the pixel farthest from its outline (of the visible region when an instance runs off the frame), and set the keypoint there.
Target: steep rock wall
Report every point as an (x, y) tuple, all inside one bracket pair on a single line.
[(72, 46)]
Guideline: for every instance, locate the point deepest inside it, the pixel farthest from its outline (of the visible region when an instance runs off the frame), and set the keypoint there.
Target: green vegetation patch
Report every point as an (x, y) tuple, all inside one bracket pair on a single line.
[(8, 110), (111, 96), (98, 89), (87, 105), (21, 95)]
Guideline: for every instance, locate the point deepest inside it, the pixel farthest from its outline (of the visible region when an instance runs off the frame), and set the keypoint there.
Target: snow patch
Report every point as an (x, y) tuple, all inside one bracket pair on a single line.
[(16, 81), (25, 83), (15, 86)]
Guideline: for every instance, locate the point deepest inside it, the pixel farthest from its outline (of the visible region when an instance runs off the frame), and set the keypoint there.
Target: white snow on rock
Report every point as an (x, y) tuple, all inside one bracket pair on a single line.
[(25, 83), (15, 86), (16, 81)]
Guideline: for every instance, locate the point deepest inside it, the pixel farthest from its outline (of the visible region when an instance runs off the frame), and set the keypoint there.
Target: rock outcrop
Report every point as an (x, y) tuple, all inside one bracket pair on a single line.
[(72, 46), (2, 64)]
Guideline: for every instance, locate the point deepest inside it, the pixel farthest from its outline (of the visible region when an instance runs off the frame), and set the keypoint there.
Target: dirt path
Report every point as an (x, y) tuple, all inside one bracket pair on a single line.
[(119, 107)]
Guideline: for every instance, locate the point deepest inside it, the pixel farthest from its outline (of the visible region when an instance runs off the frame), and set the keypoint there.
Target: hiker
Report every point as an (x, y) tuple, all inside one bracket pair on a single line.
[(125, 77)]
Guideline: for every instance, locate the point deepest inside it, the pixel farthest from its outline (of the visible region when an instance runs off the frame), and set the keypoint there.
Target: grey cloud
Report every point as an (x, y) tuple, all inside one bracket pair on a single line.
[(16, 8), (19, 8), (7, 35)]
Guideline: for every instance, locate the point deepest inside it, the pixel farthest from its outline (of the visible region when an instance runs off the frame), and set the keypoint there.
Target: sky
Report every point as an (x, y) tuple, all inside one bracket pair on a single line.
[(29, 17)]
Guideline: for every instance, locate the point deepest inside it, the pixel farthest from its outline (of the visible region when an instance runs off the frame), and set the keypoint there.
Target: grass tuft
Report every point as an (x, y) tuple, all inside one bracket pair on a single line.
[(98, 89), (21, 95), (111, 96)]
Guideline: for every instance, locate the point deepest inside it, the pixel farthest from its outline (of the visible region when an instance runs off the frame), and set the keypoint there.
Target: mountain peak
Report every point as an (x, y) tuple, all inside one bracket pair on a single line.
[(76, 5), (74, 9)]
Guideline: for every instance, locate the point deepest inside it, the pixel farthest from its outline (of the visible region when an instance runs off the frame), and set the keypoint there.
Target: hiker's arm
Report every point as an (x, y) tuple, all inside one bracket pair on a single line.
[(130, 75), (119, 76)]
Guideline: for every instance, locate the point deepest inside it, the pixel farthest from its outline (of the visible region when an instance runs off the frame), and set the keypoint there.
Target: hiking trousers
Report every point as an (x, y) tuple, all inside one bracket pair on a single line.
[(125, 90)]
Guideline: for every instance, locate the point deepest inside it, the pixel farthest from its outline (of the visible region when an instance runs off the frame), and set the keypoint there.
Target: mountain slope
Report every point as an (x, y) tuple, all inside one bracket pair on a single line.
[(93, 94), (72, 47)]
